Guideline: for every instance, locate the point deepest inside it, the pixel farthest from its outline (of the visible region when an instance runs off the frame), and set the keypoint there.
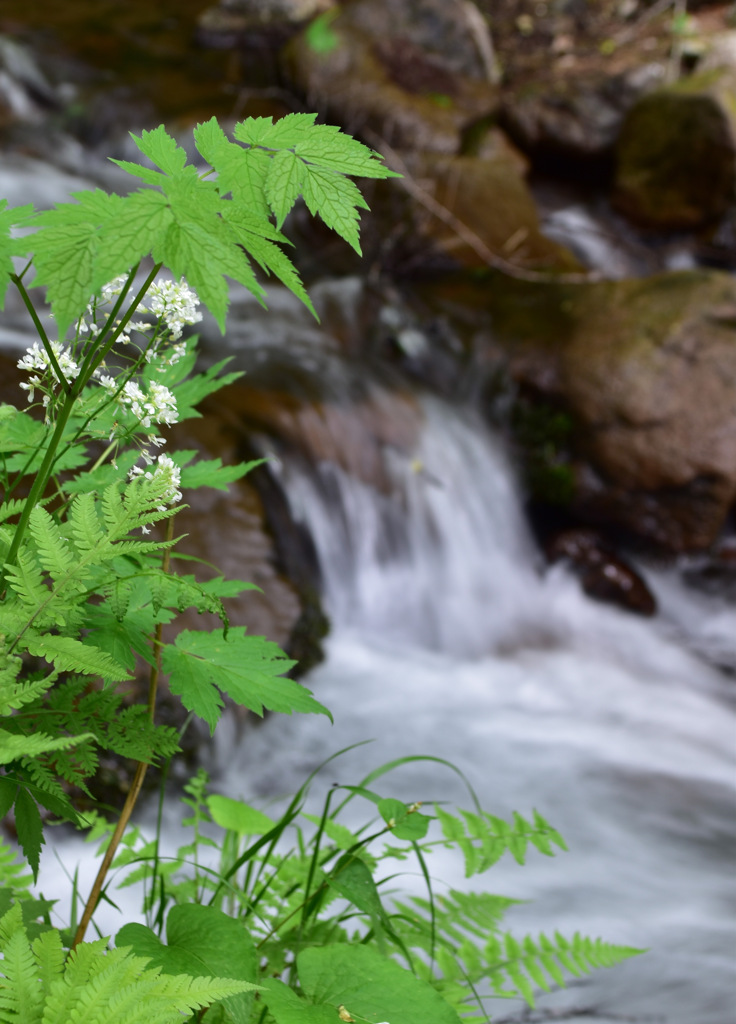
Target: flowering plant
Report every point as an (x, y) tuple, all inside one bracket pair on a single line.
[(86, 588)]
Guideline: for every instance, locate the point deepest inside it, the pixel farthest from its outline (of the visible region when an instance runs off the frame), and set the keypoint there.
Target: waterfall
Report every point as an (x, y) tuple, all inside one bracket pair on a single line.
[(450, 638)]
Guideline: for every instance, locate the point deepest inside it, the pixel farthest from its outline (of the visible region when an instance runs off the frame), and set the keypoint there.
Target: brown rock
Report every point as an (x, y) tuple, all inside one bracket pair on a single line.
[(647, 371), (676, 156), (479, 210)]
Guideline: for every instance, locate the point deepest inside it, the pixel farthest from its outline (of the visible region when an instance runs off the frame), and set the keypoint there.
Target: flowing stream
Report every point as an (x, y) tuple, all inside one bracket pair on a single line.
[(449, 639)]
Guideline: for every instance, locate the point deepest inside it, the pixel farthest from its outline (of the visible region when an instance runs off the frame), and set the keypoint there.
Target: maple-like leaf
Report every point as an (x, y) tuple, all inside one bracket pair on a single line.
[(247, 668)]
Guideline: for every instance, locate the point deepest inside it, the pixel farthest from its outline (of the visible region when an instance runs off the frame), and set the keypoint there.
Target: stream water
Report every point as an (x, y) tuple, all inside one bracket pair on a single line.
[(450, 639)]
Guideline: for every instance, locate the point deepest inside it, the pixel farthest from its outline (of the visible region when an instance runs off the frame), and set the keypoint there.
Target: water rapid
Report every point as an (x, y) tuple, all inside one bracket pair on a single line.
[(449, 638)]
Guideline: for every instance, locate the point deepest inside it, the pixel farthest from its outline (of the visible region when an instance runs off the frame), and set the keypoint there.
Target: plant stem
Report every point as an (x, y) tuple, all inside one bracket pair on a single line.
[(42, 477), (41, 332), (140, 774)]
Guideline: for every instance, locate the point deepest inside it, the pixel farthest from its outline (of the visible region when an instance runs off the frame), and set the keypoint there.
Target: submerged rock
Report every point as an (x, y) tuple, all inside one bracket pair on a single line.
[(604, 574)]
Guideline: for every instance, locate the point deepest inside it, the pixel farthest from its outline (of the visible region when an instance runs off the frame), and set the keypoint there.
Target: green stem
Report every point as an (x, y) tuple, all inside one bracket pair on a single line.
[(140, 774), (66, 387), (42, 477)]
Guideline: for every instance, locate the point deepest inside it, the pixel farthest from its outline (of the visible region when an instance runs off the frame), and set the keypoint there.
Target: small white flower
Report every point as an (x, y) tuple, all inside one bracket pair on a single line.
[(175, 304), (166, 475), (113, 288), (36, 358)]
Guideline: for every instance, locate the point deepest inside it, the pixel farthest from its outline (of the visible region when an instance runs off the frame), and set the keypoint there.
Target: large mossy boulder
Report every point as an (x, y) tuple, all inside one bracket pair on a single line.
[(676, 154), (646, 370)]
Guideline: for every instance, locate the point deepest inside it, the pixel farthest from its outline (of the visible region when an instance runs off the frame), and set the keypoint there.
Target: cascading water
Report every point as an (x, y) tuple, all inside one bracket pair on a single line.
[(449, 639)]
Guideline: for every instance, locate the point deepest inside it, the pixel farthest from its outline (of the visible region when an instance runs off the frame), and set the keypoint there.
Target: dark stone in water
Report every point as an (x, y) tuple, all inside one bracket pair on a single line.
[(604, 574)]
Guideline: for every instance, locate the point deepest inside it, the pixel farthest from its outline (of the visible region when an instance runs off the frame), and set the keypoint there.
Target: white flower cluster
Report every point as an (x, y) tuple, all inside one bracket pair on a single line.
[(166, 476), (174, 303), (156, 406), (37, 358)]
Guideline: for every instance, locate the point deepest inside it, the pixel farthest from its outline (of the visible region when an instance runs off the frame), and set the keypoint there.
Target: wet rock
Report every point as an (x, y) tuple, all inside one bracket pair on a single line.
[(676, 155), (568, 118), (353, 436), (646, 370), (418, 86), (604, 574)]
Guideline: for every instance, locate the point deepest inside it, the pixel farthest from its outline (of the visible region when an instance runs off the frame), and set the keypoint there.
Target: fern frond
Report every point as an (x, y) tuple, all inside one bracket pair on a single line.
[(484, 838), (11, 507), (52, 547), (522, 965), (11, 871), (14, 746), (50, 955), (70, 655), (14, 694), (20, 995), (85, 525), (26, 579)]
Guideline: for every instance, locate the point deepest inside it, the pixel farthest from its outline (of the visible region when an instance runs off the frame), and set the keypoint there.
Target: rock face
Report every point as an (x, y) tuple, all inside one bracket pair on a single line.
[(647, 372), (676, 155)]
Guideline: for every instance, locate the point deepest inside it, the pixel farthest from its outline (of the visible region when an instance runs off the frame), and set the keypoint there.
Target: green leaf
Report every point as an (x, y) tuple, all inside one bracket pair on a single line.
[(286, 1007), (283, 184), (212, 473), (238, 816), (14, 746), (336, 200), (66, 249), (284, 133), (319, 36), (404, 824), (240, 171), (268, 255), (352, 879), (145, 217), (163, 151), (201, 941), (247, 668), (29, 828), (327, 147), (370, 985)]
